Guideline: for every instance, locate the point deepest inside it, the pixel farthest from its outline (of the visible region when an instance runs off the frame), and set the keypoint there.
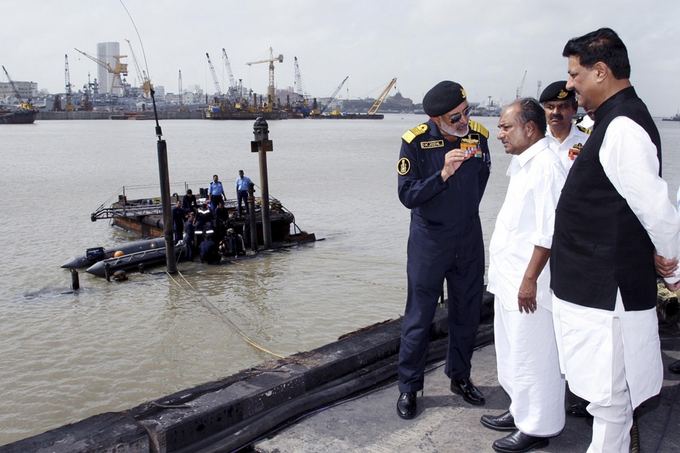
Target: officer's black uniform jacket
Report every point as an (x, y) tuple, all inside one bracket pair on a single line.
[(434, 203)]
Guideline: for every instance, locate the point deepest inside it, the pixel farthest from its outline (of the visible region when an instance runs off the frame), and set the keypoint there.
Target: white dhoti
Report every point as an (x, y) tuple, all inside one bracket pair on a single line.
[(528, 369), (613, 360)]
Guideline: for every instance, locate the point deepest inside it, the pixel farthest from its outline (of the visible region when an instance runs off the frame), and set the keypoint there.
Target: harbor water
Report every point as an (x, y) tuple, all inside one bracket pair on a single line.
[(110, 346)]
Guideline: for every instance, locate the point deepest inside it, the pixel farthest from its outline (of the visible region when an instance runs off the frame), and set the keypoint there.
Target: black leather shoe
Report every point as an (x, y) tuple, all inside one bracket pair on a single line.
[(578, 409), (517, 442), (503, 422), (406, 405), (468, 391), (674, 367)]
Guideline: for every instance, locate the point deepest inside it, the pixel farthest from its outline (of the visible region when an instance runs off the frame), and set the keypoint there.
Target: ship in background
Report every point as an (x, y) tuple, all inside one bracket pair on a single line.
[(22, 114)]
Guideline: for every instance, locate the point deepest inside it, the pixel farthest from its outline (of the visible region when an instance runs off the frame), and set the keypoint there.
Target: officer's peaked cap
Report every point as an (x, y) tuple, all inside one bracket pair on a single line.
[(556, 91), (443, 97)]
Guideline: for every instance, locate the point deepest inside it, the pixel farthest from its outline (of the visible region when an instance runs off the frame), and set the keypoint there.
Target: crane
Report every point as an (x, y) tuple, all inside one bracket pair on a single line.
[(378, 102), (117, 70), (230, 74), (214, 76), (23, 104), (335, 93), (297, 84), (141, 74), (179, 87), (518, 93), (67, 82), (271, 90)]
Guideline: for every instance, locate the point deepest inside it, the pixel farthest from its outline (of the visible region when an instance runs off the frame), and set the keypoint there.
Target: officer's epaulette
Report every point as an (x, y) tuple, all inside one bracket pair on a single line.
[(412, 133), (585, 130), (479, 128)]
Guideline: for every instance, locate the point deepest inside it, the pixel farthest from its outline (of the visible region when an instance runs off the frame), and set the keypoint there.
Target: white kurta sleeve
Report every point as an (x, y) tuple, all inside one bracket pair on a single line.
[(629, 159), (546, 192)]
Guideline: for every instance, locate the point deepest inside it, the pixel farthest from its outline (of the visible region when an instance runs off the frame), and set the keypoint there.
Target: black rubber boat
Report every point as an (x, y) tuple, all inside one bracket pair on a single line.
[(132, 262), (95, 254)]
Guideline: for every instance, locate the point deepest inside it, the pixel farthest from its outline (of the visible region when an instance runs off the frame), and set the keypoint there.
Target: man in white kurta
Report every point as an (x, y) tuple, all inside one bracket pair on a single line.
[(608, 342), (526, 352)]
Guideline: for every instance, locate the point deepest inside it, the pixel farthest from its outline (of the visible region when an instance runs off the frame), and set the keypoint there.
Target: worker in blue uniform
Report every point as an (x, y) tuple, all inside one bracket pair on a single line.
[(443, 169), (216, 193)]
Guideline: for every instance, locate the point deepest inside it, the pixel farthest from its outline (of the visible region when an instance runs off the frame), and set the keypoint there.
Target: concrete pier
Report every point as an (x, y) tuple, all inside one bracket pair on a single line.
[(263, 408)]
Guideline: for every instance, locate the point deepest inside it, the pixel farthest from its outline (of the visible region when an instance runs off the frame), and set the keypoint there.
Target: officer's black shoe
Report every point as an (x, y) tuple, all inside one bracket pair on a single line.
[(468, 391), (674, 367), (503, 422), (406, 405), (517, 442)]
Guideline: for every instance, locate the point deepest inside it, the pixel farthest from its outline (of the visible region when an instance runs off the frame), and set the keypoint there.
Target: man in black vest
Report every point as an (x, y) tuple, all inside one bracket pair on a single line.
[(613, 215)]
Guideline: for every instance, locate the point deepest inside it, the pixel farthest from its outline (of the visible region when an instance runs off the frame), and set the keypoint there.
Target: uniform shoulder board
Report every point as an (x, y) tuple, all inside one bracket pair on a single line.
[(412, 133), (585, 130), (479, 128)]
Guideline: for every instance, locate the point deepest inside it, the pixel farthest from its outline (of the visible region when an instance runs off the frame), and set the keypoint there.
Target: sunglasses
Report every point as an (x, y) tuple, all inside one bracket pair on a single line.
[(458, 115)]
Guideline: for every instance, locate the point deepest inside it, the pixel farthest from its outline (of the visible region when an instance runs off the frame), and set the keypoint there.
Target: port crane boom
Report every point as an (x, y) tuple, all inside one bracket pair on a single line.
[(518, 93), (144, 77), (227, 65), (378, 102), (335, 93), (117, 70), (14, 87), (179, 87), (271, 90), (67, 83), (297, 84), (214, 75)]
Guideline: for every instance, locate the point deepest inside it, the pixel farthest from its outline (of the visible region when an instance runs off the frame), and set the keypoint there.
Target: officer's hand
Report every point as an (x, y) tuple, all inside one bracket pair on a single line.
[(452, 161), (526, 298)]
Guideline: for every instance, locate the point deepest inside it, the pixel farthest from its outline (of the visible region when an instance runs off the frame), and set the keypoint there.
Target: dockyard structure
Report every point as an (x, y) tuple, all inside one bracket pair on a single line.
[(107, 52), (27, 90)]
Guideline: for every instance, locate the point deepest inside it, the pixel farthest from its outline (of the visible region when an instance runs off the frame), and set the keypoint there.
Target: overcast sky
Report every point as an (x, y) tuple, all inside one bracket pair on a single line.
[(485, 45)]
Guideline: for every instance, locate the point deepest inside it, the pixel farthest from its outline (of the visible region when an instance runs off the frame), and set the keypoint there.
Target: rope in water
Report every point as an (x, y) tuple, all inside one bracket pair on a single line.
[(204, 300)]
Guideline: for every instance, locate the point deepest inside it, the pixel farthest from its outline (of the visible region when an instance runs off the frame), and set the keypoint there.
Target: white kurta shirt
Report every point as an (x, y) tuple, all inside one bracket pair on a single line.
[(526, 219), (575, 137), (628, 157)]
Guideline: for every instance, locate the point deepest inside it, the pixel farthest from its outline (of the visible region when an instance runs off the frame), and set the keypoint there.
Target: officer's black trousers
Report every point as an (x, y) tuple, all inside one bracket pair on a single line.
[(435, 256)]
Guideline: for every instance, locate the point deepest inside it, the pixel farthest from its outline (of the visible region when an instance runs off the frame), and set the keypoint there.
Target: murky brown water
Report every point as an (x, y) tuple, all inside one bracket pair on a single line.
[(111, 346)]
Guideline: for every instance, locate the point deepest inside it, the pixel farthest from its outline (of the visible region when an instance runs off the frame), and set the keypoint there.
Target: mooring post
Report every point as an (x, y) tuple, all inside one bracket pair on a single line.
[(262, 145), (165, 202), (251, 217), (75, 283)]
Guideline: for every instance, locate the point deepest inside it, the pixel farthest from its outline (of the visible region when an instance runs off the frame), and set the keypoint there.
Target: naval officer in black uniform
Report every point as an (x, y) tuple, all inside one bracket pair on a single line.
[(443, 169)]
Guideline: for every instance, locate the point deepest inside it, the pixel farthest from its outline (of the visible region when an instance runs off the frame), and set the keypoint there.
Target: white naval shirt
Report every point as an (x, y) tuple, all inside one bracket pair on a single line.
[(526, 219), (575, 136)]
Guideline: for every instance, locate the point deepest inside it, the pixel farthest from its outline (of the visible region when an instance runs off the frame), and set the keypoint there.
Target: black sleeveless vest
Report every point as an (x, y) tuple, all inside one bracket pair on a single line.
[(599, 244)]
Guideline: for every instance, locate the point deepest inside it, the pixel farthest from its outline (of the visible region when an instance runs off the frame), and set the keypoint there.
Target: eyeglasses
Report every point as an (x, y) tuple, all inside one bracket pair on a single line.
[(458, 115)]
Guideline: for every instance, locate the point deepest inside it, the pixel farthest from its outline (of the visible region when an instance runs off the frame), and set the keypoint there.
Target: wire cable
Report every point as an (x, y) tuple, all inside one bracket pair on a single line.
[(223, 317)]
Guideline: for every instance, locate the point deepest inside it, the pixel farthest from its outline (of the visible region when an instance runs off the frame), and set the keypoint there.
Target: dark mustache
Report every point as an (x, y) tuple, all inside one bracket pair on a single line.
[(557, 116)]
